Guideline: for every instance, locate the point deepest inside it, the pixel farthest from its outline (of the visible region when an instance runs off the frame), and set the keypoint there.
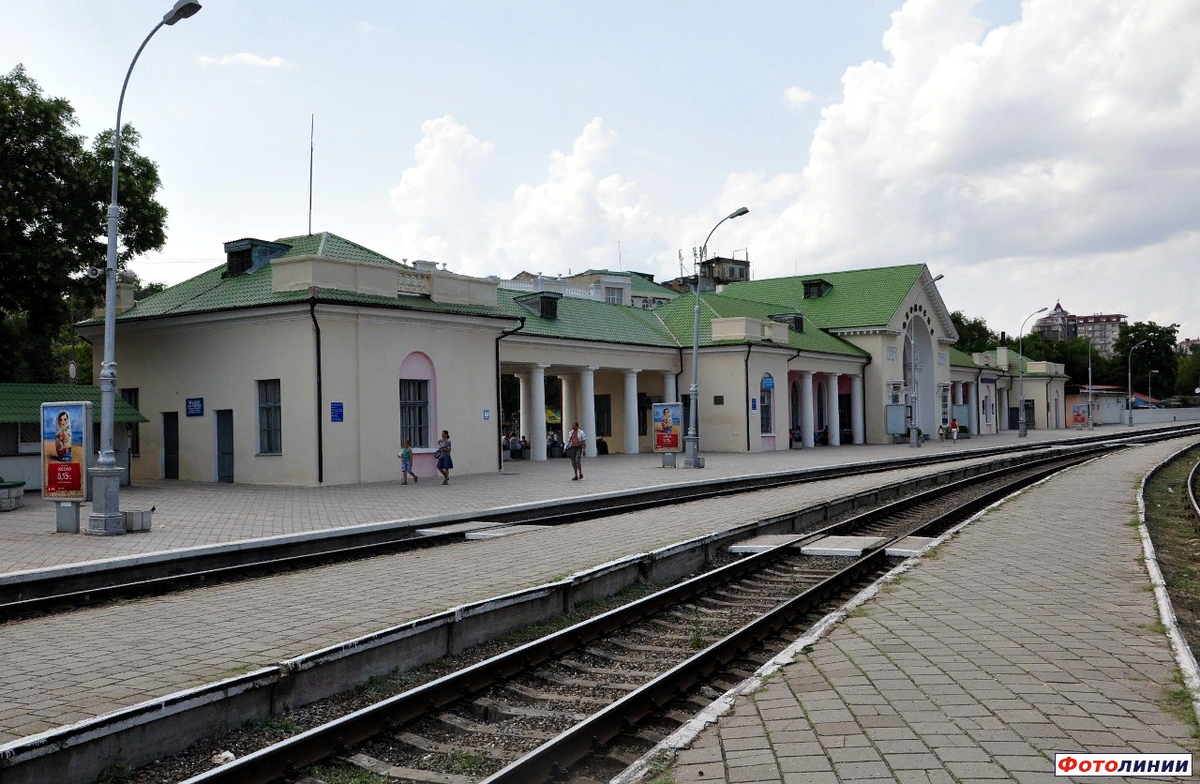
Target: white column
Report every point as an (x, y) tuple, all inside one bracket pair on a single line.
[(1001, 409), (568, 403), (631, 412), (956, 393), (523, 428), (537, 402), (831, 412), (972, 399), (669, 393), (587, 402), (807, 425), (856, 408)]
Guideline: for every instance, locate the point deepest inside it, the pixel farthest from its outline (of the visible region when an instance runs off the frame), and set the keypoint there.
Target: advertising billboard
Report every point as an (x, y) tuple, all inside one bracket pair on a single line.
[(667, 427), (66, 443)]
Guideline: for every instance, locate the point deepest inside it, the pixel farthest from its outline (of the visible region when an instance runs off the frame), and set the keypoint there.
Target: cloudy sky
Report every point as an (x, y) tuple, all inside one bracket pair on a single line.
[(1030, 151)]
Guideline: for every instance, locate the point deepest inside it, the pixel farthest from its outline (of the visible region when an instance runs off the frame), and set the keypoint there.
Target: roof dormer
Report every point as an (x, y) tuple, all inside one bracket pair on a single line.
[(542, 303), (815, 288), (249, 254)]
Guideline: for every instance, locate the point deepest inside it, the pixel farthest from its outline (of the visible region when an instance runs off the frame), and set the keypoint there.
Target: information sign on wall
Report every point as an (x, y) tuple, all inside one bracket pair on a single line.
[(667, 427), (194, 406), (66, 443), (335, 412)]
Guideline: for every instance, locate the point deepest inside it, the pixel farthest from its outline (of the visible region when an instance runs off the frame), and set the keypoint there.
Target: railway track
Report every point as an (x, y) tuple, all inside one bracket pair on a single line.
[(1193, 485), (77, 587), (582, 703)]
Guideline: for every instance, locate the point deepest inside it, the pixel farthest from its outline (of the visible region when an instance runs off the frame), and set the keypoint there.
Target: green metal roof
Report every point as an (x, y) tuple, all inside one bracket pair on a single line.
[(587, 319), (210, 291), (857, 298), (330, 246), (679, 315), (960, 358), (23, 402)]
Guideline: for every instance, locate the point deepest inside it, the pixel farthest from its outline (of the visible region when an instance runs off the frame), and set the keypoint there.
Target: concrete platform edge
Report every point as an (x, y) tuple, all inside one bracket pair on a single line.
[(1179, 646), (682, 737)]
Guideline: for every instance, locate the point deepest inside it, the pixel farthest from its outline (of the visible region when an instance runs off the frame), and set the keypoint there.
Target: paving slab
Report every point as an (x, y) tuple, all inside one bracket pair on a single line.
[(851, 546), (758, 544), (457, 528), (63, 668), (194, 514), (1031, 633), (504, 530), (909, 546)]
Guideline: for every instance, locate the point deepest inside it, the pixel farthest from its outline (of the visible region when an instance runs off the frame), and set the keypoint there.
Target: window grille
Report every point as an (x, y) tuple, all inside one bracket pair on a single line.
[(414, 412), (270, 418)]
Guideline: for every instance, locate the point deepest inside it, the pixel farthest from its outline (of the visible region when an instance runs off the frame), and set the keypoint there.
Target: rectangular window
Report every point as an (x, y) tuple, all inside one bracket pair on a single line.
[(603, 416), (765, 420), (130, 396), (9, 438), (612, 295), (29, 438), (414, 412), (270, 418)]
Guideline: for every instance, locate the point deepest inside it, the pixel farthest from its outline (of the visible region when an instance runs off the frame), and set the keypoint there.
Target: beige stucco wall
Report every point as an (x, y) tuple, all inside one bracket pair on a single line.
[(220, 357)]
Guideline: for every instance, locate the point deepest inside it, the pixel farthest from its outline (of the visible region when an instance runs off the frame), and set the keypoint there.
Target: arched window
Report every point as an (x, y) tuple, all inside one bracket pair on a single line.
[(766, 411), (418, 400)]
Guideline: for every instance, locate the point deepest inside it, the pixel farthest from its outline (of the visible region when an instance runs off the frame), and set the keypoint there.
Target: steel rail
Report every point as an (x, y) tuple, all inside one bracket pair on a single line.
[(548, 760), (336, 737), (1193, 478), (77, 589)]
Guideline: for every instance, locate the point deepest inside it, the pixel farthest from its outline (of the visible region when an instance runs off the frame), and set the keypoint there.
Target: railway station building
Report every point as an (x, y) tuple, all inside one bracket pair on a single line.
[(307, 360)]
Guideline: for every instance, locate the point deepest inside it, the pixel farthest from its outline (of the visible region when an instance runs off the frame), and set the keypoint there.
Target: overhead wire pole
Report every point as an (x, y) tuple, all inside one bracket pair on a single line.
[(1022, 429), (312, 120), (693, 439), (1129, 391), (106, 519)]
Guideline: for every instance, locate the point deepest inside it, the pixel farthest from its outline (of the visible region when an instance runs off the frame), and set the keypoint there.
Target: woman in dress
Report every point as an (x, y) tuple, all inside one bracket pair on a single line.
[(444, 463)]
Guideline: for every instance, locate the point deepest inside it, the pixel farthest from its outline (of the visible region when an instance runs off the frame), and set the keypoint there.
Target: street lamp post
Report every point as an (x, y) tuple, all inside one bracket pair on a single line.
[(913, 421), (1089, 418), (1150, 397), (1022, 429), (693, 438), (1129, 388), (105, 519)]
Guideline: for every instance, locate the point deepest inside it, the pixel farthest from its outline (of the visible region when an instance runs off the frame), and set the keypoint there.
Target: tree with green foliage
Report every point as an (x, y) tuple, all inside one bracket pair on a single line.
[(973, 334), (1158, 354), (54, 191), (1187, 374)]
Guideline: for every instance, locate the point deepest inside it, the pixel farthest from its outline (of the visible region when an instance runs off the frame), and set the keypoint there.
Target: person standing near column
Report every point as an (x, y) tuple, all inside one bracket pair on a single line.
[(444, 463), (576, 440)]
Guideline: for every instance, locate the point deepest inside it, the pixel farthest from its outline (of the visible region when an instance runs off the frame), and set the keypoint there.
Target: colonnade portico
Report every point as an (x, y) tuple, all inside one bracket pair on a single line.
[(807, 381), (579, 402)]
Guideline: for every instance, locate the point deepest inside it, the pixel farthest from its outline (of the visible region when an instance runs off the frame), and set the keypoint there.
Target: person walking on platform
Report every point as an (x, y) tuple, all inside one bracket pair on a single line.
[(406, 470), (575, 441), (444, 463), (954, 430)]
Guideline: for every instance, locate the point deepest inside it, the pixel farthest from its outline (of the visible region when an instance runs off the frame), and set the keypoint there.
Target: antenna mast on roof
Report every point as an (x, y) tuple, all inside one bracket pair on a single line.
[(619, 256), (312, 124)]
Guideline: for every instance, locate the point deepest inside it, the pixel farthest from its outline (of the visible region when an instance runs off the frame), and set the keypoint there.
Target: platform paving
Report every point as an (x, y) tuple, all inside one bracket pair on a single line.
[(64, 668), (192, 514), (1031, 632)]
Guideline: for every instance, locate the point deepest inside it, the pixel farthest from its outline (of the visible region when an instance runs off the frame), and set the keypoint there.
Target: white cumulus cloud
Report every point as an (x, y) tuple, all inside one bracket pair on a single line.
[(1064, 141), (797, 96), (246, 58)]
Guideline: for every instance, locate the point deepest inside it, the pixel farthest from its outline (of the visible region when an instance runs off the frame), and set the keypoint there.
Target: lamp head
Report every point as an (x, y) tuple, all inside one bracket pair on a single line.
[(183, 9), (939, 277), (739, 212), (1043, 310)]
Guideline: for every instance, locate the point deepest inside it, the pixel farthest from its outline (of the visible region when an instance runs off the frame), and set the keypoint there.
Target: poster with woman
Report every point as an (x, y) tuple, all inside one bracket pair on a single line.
[(65, 427), (668, 427)]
